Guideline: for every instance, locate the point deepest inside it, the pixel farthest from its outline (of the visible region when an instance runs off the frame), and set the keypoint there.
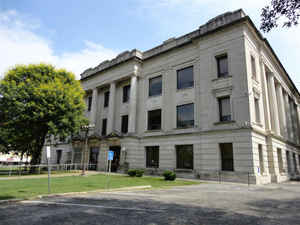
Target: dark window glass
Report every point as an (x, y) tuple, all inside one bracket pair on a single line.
[(227, 156), (94, 153), (155, 86), (288, 161), (184, 157), (90, 99), (224, 109), (152, 156), (77, 155), (253, 67), (185, 78), (126, 93), (106, 98), (257, 110), (104, 124), (58, 156), (154, 119), (185, 116), (124, 127), (222, 62), (295, 162)]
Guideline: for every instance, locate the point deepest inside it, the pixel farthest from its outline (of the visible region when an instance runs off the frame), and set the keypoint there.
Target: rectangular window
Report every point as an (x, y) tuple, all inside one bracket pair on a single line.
[(224, 109), (77, 155), (90, 100), (280, 161), (222, 62), (185, 78), (106, 98), (155, 86), (288, 161), (257, 110), (227, 156), (126, 93), (261, 159), (152, 156), (58, 156), (124, 127), (184, 157), (185, 116), (154, 119), (104, 124), (295, 162), (253, 67)]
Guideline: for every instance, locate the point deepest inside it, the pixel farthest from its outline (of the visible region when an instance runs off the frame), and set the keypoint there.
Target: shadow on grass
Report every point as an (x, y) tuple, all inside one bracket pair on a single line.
[(6, 197)]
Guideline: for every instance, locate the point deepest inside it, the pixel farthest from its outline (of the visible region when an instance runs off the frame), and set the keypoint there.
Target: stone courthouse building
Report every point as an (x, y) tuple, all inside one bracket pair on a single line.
[(214, 102)]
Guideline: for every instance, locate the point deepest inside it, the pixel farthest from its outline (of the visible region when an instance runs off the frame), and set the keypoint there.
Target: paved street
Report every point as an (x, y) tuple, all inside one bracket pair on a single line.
[(207, 203)]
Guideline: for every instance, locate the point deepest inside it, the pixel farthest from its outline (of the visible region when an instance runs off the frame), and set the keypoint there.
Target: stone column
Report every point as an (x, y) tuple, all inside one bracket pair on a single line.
[(266, 107), (298, 120), (132, 105), (93, 116), (288, 117), (282, 108), (273, 104), (111, 108)]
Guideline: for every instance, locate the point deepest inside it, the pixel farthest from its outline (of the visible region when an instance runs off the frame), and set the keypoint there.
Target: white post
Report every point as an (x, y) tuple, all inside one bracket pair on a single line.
[(48, 163)]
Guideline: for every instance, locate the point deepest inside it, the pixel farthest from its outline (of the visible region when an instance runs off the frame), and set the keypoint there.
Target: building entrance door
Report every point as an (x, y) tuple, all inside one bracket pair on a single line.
[(116, 161), (94, 152)]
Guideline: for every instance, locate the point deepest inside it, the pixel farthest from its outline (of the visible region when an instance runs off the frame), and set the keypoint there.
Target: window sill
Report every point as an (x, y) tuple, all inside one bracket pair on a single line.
[(154, 96), (153, 131), (224, 122), (227, 171), (184, 89), (184, 170), (183, 128), (222, 78)]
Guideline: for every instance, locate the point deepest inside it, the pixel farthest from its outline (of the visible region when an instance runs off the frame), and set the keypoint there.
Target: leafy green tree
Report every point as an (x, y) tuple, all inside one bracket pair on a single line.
[(290, 9), (37, 101)]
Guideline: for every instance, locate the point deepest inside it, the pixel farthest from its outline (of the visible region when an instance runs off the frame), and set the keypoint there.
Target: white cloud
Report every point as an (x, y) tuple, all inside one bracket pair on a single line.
[(19, 44)]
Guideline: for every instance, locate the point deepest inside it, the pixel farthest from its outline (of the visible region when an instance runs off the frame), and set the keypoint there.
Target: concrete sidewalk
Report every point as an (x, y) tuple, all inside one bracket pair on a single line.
[(207, 203), (88, 173)]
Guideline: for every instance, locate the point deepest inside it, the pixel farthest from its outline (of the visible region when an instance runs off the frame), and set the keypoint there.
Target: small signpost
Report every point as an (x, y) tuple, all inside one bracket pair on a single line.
[(48, 163), (110, 158)]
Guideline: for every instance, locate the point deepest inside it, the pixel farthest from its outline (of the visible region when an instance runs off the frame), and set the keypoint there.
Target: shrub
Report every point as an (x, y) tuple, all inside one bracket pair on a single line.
[(169, 175), (139, 173), (132, 172)]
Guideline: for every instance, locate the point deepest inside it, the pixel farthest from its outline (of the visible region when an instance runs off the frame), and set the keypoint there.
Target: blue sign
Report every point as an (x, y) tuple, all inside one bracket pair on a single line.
[(110, 155)]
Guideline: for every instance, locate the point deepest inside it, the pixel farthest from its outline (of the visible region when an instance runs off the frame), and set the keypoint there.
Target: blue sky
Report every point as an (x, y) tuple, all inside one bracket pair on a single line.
[(77, 34)]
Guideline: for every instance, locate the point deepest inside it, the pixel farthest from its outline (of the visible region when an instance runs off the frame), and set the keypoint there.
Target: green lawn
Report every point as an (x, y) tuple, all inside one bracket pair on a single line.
[(26, 188)]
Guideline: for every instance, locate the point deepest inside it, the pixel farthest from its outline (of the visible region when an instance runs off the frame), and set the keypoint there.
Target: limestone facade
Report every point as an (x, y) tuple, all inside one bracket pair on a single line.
[(263, 128)]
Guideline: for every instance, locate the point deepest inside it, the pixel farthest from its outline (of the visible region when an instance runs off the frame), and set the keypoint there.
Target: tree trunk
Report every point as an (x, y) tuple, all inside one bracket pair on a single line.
[(36, 152)]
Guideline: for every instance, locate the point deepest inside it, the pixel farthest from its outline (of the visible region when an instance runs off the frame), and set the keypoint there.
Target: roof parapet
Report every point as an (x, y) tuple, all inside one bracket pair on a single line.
[(122, 57), (212, 24)]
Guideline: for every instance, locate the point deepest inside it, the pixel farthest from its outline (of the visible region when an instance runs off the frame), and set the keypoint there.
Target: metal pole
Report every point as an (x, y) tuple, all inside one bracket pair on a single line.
[(48, 176), (248, 179), (84, 153)]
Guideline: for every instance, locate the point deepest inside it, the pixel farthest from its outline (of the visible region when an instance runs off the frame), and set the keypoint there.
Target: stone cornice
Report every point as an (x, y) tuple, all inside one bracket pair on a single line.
[(211, 26)]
